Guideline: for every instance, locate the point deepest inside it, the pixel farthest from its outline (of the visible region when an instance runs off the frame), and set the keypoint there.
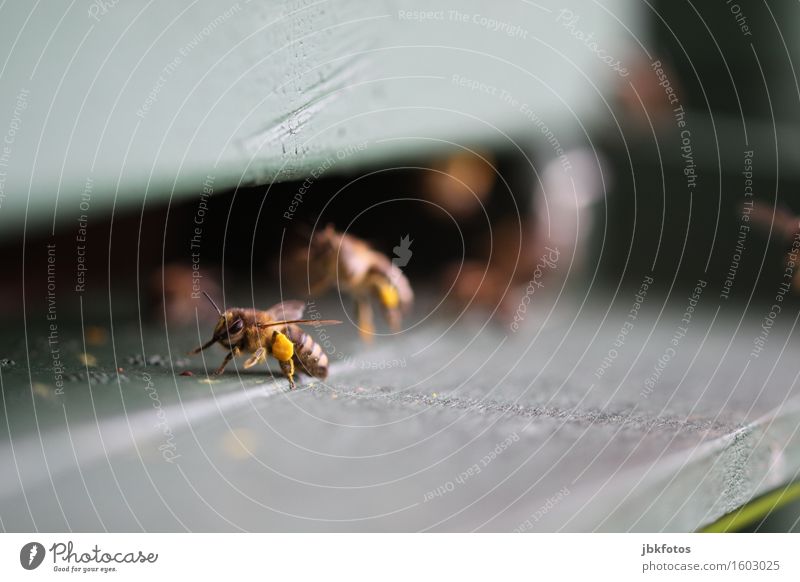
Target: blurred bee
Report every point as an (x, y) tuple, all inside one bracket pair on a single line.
[(273, 332), (783, 225), (172, 293), (361, 272)]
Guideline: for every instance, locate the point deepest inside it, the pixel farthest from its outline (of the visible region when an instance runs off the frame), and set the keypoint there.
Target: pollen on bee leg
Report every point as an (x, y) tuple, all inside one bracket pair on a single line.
[(282, 347), (365, 326), (388, 295), (394, 319)]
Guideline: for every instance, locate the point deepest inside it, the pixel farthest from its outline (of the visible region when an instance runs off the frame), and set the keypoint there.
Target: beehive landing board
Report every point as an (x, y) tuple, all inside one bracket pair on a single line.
[(449, 426)]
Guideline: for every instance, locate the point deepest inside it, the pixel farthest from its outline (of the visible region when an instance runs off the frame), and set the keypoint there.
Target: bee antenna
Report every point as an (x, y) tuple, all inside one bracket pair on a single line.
[(212, 302)]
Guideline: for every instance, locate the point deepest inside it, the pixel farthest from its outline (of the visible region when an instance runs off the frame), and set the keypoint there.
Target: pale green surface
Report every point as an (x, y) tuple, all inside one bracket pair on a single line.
[(274, 89), (365, 449)]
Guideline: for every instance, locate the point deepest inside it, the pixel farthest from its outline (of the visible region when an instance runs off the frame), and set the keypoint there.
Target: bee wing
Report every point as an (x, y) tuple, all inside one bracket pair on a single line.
[(287, 310), (355, 258)]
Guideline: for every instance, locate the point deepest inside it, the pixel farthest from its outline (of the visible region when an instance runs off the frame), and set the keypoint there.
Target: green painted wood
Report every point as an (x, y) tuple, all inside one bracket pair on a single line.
[(443, 428), (122, 102)]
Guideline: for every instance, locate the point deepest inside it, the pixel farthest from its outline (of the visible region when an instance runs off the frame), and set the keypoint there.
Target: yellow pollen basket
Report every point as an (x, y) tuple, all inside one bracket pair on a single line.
[(388, 295), (282, 347)]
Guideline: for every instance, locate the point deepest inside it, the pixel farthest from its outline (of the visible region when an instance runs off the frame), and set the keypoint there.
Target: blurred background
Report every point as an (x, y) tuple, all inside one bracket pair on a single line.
[(652, 160)]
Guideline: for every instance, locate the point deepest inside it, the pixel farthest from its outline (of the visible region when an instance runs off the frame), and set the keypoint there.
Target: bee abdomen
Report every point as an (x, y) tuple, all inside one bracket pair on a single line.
[(311, 359)]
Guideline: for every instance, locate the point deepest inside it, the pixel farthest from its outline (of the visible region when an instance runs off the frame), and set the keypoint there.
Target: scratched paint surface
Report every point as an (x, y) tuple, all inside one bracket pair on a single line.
[(443, 428)]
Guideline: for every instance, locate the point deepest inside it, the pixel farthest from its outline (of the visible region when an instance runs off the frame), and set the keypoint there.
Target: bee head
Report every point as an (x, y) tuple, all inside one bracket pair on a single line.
[(230, 326), (324, 241)]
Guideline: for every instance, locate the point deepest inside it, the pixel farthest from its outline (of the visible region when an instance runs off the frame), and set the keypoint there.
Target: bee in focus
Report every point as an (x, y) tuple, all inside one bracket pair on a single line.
[(272, 332), (363, 273)]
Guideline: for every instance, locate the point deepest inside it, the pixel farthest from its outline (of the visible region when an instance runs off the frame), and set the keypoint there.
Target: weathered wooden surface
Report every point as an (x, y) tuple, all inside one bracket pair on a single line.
[(478, 429), (135, 101)]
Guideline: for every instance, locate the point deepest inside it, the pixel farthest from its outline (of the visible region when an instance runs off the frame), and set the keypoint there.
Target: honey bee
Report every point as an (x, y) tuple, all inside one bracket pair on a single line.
[(361, 272), (247, 331)]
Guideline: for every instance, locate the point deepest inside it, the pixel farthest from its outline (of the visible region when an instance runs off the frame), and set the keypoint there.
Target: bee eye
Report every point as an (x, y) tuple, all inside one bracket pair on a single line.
[(236, 326)]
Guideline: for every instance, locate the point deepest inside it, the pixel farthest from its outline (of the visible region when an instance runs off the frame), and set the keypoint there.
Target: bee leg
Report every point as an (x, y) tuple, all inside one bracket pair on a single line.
[(395, 319), (390, 301), (287, 367), (209, 343), (228, 357), (225, 362), (365, 325), (259, 356), (283, 350)]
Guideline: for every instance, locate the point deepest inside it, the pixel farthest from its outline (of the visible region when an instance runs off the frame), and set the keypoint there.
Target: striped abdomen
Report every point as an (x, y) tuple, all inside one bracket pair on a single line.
[(308, 355)]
